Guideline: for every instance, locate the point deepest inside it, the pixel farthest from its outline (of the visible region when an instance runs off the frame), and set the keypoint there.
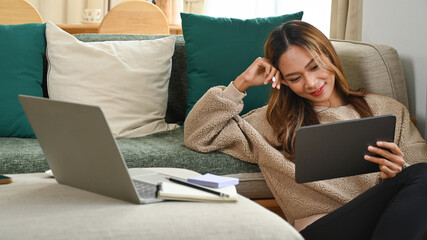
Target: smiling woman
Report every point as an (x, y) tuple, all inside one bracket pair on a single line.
[(310, 82), (309, 69), (310, 74)]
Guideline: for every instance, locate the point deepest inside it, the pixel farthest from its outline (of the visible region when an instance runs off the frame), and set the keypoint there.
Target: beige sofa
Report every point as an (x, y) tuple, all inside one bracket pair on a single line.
[(375, 67)]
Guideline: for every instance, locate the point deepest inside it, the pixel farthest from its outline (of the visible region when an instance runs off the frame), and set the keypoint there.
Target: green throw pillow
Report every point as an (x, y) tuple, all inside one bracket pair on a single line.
[(21, 72), (220, 49)]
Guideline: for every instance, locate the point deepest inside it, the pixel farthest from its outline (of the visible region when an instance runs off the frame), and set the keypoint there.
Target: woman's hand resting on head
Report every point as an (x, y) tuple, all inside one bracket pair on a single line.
[(260, 72), (391, 160)]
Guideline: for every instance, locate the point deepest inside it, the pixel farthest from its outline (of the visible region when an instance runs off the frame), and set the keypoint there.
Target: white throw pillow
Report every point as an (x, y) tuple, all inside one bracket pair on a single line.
[(128, 79)]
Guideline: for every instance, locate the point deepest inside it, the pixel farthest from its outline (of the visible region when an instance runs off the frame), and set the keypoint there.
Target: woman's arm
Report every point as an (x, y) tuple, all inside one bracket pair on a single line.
[(214, 123)]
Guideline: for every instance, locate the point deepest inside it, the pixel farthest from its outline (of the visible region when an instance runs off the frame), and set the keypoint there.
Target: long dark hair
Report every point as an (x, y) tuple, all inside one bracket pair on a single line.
[(287, 111)]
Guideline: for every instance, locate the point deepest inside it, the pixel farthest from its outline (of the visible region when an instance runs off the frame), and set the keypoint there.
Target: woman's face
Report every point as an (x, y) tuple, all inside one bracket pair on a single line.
[(307, 79)]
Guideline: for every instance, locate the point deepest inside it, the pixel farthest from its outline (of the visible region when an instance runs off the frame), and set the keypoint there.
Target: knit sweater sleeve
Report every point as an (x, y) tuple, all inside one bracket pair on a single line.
[(407, 136), (214, 124), (409, 140)]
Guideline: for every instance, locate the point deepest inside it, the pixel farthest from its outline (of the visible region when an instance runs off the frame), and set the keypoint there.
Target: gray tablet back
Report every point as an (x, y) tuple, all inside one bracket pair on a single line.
[(333, 150)]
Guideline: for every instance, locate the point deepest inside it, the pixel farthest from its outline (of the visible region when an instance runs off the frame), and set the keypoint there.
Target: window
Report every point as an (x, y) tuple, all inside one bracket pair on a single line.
[(316, 12)]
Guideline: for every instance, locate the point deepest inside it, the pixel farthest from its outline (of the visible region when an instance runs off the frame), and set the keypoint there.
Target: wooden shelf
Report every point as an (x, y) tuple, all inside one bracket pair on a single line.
[(79, 28), (175, 29), (93, 28)]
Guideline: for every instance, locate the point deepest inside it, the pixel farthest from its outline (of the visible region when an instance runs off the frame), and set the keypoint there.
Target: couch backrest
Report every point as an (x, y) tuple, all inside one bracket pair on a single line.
[(374, 67)]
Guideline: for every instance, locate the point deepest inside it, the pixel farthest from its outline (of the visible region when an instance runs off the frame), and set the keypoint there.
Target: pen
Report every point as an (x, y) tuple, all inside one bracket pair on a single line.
[(185, 183)]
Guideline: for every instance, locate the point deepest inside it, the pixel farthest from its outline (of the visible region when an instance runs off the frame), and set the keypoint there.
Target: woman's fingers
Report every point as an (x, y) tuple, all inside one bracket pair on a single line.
[(390, 151), (387, 172), (387, 168), (277, 80), (267, 68), (271, 74), (390, 159), (262, 71), (391, 146), (272, 77)]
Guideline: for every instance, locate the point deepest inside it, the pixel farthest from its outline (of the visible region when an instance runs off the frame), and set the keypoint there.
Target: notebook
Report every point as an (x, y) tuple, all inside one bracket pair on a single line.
[(337, 149), (82, 152), (172, 191)]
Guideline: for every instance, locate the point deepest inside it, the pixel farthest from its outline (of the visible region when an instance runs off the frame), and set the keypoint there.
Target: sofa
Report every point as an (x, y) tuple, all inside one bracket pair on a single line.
[(373, 66)]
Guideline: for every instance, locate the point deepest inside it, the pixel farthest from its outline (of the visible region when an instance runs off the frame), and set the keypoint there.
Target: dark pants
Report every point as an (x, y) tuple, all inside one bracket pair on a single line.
[(393, 209)]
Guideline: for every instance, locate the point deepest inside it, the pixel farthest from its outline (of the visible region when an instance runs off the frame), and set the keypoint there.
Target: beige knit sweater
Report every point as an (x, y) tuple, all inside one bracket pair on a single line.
[(214, 124)]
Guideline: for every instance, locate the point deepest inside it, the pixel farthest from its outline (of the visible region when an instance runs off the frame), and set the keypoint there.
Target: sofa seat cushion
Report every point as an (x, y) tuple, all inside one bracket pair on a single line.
[(162, 149), (166, 149)]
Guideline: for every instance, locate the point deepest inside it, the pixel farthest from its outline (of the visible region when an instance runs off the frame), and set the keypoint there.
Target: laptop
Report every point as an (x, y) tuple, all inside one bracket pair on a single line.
[(337, 149), (82, 152)]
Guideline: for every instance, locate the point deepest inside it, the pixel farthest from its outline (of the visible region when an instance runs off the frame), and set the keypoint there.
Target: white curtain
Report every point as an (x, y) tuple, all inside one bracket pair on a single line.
[(171, 9), (316, 12), (194, 6), (346, 19)]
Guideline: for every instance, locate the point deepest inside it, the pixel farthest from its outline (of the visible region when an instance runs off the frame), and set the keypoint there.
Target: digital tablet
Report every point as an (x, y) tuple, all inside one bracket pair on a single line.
[(337, 149)]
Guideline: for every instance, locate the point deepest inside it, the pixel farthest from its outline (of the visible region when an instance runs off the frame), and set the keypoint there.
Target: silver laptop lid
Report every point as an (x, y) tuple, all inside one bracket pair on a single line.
[(79, 147), (333, 150)]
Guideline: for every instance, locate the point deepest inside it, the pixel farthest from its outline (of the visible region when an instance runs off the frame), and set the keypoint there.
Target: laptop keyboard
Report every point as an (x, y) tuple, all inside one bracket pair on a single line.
[(145, 190)]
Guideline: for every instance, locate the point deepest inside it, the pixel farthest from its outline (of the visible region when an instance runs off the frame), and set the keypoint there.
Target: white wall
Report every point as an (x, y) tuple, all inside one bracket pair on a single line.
[(401, 24)]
